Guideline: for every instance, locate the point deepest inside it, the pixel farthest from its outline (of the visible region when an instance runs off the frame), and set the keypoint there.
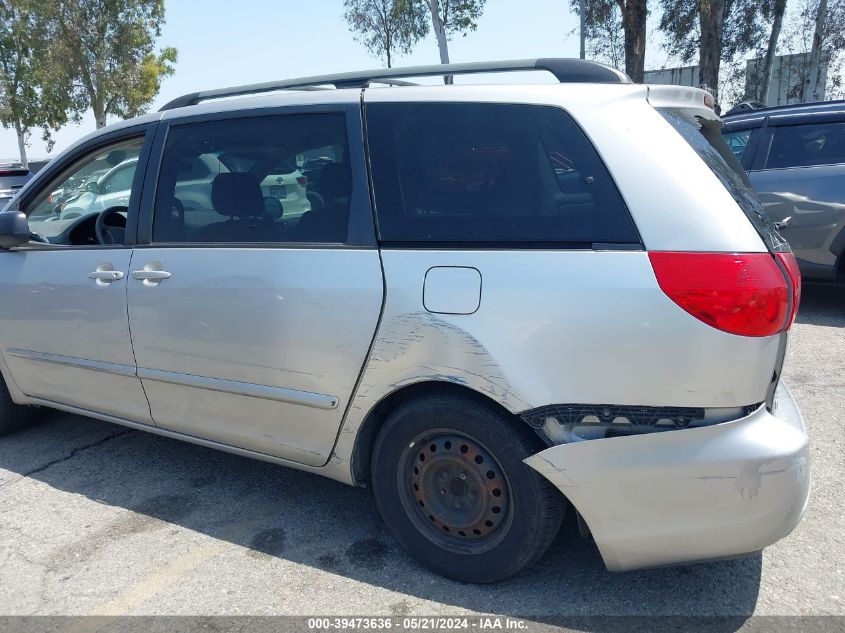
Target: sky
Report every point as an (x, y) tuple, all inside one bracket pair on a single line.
[(222, 43)]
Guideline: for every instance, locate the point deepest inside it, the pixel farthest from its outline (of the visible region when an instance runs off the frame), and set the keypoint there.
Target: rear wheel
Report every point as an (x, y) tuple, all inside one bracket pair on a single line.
[(12, 416), (448, 478)]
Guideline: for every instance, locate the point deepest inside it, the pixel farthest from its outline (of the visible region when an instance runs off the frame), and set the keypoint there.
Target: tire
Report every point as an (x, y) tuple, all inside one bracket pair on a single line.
[(12, 416), (448, 479)]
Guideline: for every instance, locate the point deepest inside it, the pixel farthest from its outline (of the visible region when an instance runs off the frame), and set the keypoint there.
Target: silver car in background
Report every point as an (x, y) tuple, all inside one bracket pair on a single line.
[(510, 301), (13, 176)]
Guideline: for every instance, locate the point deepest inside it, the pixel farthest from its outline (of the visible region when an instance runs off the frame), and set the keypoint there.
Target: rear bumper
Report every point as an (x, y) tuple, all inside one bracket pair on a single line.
[(690, 495)]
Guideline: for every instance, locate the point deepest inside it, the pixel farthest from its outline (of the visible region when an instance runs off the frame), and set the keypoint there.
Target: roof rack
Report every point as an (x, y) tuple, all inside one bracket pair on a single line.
[(564, 70)]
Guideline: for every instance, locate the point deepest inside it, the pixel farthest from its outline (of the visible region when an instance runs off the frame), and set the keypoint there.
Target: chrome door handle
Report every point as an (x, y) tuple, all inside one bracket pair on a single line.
[(150, 275), (106, 275)]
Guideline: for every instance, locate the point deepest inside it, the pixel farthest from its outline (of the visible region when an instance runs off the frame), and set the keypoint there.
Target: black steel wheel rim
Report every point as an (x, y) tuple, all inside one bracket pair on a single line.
[(455, 491)]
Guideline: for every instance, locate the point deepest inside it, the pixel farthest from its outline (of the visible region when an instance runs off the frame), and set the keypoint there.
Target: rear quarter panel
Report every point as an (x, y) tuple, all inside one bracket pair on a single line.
[(555, 327), (577, 326)]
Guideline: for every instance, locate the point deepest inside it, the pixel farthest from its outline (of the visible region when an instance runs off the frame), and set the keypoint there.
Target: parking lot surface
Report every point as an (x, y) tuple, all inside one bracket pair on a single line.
[(98, 519)]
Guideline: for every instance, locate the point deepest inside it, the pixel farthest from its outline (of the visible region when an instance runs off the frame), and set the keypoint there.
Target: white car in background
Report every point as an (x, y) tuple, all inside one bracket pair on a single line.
[(112, 188), (290, 188)]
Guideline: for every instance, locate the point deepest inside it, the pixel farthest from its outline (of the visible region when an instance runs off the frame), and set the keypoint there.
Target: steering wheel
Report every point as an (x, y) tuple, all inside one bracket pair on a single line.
[(110, 227)]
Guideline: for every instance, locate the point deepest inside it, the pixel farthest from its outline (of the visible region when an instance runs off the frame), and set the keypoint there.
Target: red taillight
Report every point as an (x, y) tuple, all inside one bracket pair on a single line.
[(302, 180), (738, 293), (788, 261)]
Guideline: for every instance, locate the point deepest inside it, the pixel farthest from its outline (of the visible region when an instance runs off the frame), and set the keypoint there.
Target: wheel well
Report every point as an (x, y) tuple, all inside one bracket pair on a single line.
[(378, 414)]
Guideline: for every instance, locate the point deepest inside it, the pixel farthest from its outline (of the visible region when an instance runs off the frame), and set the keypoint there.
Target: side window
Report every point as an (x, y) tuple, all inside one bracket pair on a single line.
[(66, 210), (242, 181), (737, 141), (461, 172), (806, 145)]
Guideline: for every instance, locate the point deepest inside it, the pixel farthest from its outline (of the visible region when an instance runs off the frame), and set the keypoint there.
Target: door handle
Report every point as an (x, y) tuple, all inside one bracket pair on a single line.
[(150, 275), (105, 277)]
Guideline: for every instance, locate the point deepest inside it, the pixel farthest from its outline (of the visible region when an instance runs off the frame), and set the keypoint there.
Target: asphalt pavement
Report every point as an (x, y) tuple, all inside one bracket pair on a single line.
[(98, 519)]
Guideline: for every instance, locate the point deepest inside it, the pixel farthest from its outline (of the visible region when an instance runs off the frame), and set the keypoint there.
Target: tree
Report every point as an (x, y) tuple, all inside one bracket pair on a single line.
[(711, 14), (715, 29), (634, 14), (820, 75), (826, 49), (602, 22), (811, 81), (771, 50), (385, 27), (106, 55), (610, 45), (449, 17), (24, 105)]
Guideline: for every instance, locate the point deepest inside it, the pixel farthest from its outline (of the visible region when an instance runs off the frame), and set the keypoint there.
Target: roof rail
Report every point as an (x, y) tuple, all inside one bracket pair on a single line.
[(807, 105), (565, 70)]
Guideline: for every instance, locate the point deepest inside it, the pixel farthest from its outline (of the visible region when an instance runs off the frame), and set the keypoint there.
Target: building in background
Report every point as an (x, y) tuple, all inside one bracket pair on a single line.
[(785, 87), (787, 77), (681, 76)]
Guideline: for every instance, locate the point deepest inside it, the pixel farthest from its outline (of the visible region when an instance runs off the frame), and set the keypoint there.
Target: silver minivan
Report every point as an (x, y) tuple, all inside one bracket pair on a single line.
[(503, 301)]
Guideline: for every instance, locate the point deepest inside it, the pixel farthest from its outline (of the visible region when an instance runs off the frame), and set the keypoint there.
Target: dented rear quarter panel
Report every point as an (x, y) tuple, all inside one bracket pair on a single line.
[(555, 327), (575, 326)]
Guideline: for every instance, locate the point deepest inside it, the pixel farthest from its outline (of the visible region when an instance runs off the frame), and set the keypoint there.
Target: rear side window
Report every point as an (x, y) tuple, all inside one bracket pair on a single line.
[(807, 145), (240, 180), (704, 135), (490, 173)]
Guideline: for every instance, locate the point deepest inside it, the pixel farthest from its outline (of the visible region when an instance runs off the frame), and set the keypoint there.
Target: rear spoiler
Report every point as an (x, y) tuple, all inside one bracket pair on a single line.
[(662, 96)]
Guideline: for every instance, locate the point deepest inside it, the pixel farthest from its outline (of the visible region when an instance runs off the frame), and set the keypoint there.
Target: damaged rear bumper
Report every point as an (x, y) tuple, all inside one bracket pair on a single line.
[(689, 495)]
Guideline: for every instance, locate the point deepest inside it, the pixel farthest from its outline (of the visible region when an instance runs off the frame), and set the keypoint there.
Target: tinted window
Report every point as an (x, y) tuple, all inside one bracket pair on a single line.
[(737, 140), (705, 137), (806, 145), (237, 181), (193, 169), (446, 172)]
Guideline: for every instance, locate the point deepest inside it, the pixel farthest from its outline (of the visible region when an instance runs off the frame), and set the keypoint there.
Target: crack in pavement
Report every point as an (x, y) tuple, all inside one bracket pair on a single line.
[(71, 455)]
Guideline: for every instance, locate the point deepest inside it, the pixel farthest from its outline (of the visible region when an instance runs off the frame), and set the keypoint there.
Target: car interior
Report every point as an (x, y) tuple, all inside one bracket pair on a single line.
[(213, 187), (234, 202), (490, 175)]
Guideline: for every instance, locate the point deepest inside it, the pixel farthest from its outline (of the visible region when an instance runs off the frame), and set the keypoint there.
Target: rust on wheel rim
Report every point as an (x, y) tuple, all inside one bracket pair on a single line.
[(459, 487)]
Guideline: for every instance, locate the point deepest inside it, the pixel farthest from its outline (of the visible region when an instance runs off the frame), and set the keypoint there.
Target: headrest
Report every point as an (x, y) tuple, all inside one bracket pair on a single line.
[(335, 181), (237, 195)]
